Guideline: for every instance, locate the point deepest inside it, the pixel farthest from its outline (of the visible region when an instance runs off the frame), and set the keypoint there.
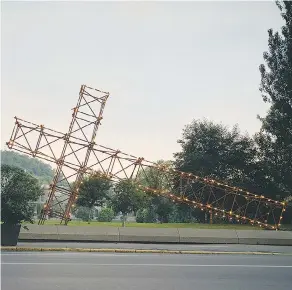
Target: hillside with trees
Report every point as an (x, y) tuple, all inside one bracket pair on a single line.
[(44, 172)]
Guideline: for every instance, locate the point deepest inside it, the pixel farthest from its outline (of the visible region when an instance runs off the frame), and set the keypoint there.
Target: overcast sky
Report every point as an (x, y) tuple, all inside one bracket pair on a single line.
[(164, 65)]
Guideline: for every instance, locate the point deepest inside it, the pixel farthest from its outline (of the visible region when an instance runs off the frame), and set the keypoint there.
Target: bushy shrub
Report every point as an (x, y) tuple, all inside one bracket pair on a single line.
[(106, 215), (146, 215), (18, 190)]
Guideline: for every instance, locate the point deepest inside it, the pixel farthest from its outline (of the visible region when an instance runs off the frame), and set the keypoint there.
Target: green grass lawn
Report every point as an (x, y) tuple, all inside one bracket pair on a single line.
[(154, 225)]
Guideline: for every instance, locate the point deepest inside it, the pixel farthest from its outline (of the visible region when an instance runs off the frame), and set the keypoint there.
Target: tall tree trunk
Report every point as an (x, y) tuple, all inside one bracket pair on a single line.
[(124, 220), (211, 217)]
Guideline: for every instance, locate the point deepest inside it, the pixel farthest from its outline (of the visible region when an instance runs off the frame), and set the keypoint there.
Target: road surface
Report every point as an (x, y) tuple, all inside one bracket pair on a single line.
[(87, 271)]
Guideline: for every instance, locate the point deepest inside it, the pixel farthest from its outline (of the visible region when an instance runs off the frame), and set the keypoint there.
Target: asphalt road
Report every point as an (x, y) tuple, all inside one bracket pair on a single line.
[(75, 271), (198, 247)]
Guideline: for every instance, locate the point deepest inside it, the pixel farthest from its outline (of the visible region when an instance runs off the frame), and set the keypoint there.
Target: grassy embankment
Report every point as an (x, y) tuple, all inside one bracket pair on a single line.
[(157, 225)]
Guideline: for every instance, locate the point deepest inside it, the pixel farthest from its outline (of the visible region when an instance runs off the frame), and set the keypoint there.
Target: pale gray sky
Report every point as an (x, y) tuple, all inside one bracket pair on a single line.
[(164, 64)]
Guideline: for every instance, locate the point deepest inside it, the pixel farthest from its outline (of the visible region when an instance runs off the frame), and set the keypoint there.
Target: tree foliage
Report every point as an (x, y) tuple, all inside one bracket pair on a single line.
[(215, 151), (152, 177), (18, 189), (146, 215), (183, 213), (127, 198), (106, 215), (158, 206), (83, 213), (94, 191), (210, 149), (275, 138)]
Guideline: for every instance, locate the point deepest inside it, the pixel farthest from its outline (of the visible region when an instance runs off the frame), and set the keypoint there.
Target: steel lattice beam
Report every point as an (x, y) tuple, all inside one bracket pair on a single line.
[(84, 125), (79, 155)]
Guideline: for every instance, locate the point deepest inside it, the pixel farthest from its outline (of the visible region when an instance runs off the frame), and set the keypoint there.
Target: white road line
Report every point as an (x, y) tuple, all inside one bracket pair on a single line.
[(129, 246), (68, 254), (145, 265)]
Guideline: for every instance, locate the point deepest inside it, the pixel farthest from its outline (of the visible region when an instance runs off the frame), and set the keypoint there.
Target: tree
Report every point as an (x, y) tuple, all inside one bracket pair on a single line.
[(275, 138), (83, 213), (153, 178), (146, 215), (161, 206), (106, 215), (212, 150), (127, 198), (185, 214), (18, 190), (94, 191)]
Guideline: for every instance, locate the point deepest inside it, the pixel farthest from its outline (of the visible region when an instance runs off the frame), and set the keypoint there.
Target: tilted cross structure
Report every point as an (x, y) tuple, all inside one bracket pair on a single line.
[(76, 154)]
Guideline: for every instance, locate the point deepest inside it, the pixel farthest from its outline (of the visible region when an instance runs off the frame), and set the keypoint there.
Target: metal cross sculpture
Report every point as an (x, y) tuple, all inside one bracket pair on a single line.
[(76, 154)]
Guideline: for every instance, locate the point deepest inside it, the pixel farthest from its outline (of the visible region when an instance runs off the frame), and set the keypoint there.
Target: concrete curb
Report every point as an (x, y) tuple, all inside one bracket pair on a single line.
[(140, 251), (154, 235)]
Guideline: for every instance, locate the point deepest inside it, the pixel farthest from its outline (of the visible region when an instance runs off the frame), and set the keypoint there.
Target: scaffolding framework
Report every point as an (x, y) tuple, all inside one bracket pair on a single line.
[(76, 154)]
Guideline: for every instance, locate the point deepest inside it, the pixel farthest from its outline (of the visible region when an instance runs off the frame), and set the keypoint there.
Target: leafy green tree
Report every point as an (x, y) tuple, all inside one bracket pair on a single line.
[(127, 198), (18, 190), (275, 138), (214, 151), (94, 191), (185, 214), (210, 149), (146, 215), (83, 213), (156, 205), (140, 215), (106, 215), (163, 208), (154, 178)]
